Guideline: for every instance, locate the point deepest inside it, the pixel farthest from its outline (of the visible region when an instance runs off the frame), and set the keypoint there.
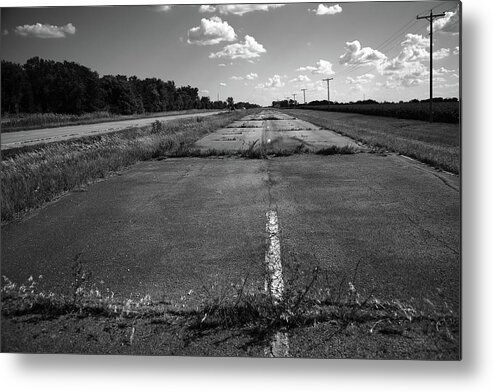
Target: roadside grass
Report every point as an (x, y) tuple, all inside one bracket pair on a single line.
[(437, 144), (30, 121), (32, 176)]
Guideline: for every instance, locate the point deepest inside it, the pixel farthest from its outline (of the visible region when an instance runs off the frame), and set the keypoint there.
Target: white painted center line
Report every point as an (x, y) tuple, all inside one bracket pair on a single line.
[(274, 283), (279, 344)]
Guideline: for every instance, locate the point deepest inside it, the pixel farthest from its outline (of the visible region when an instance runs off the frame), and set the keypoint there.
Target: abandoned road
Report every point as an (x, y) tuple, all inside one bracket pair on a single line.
[(48, 135), (166, 227), (383, 223)]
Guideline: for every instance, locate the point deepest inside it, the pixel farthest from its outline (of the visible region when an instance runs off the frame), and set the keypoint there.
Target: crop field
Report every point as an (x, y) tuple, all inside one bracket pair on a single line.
[(446, 112), (437, 144)]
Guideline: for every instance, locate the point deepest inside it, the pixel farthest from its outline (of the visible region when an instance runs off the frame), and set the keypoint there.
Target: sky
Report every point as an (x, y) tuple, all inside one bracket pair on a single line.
[(253, 52)]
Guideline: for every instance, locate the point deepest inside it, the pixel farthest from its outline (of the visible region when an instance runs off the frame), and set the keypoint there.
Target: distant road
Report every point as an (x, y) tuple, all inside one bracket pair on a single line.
[(48, 135)]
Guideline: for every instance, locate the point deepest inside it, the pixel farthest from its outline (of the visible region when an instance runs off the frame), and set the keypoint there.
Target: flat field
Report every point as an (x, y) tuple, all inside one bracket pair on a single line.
[(447, 112), (437, 144)]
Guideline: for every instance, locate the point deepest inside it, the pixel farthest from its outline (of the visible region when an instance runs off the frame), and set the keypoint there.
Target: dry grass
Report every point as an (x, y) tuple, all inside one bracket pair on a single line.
[(437, 144), (32, 176)]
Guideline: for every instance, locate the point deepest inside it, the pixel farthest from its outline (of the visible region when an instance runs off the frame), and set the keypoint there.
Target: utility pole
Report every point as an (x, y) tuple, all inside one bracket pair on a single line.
[(304, 100), (328, 91), (294, 99), (430, 19)]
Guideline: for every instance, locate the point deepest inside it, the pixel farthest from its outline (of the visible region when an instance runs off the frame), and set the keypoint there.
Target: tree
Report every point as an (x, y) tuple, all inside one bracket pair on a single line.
[(231, 103), (16, 89)]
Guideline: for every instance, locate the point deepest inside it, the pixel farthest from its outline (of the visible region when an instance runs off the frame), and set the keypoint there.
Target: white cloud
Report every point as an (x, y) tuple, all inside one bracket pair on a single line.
[(204, 92), (324, 10), (361, 79), (45, 30), (164, 8), (414, 48), (356, 55), (211, 31), (456, 51), (221, 65), (251, 76), (236, 77), (223, 84), (5, 32), (406, 69), (207, 8), (274, 82), (238, 9), (323, 67), (447, 24), (300, 78), (248, 49), (441, 53)]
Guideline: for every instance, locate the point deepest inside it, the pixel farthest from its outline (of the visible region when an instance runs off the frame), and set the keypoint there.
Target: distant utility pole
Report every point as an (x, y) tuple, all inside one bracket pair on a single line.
[(328, 91), (294, 99), (430, 19), (218, 97), (304, 100)]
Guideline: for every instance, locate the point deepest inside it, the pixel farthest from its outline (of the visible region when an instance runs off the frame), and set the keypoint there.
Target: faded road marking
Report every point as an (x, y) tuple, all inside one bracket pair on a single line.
[(274, 282), (279, 343)]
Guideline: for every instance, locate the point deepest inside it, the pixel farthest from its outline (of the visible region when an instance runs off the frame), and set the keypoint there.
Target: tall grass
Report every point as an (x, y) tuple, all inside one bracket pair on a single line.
[(437, 144), (32, 176)]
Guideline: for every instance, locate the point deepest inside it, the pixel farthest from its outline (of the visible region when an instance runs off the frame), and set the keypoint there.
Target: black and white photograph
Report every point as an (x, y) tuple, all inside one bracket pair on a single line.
[(260, 180)]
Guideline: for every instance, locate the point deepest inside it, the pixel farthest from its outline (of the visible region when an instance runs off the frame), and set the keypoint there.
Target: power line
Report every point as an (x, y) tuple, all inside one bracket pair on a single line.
[(328, 91), (304, 99), (430, 19), (391, 39)]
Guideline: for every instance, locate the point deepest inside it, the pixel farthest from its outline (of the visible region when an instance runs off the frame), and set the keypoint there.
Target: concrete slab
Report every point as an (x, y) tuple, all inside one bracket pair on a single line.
[(275, 132), (230, 139)]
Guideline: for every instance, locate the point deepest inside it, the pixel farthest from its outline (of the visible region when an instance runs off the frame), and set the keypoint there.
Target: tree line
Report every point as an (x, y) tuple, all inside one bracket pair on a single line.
[(288, 103), (48, 86)]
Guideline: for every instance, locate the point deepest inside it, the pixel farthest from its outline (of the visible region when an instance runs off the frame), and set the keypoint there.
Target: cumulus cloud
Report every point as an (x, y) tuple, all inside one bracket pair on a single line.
[(211, 31), (236, 77), (164, 8), (441, 53), (221, 65), (223, 84), (323, 67), (5, 32), (456, 51), (356, 55), (39, 30), (274, 82), (238, 9), (361, 79), (207, 8), (300, 78), (251, 76), (324, 10), (204, 92), (248, 49), (447, 24)]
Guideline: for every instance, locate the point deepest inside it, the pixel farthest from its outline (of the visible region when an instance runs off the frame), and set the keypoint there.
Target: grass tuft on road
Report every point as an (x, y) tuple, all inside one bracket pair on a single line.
[(32, 176), (240, 309)]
